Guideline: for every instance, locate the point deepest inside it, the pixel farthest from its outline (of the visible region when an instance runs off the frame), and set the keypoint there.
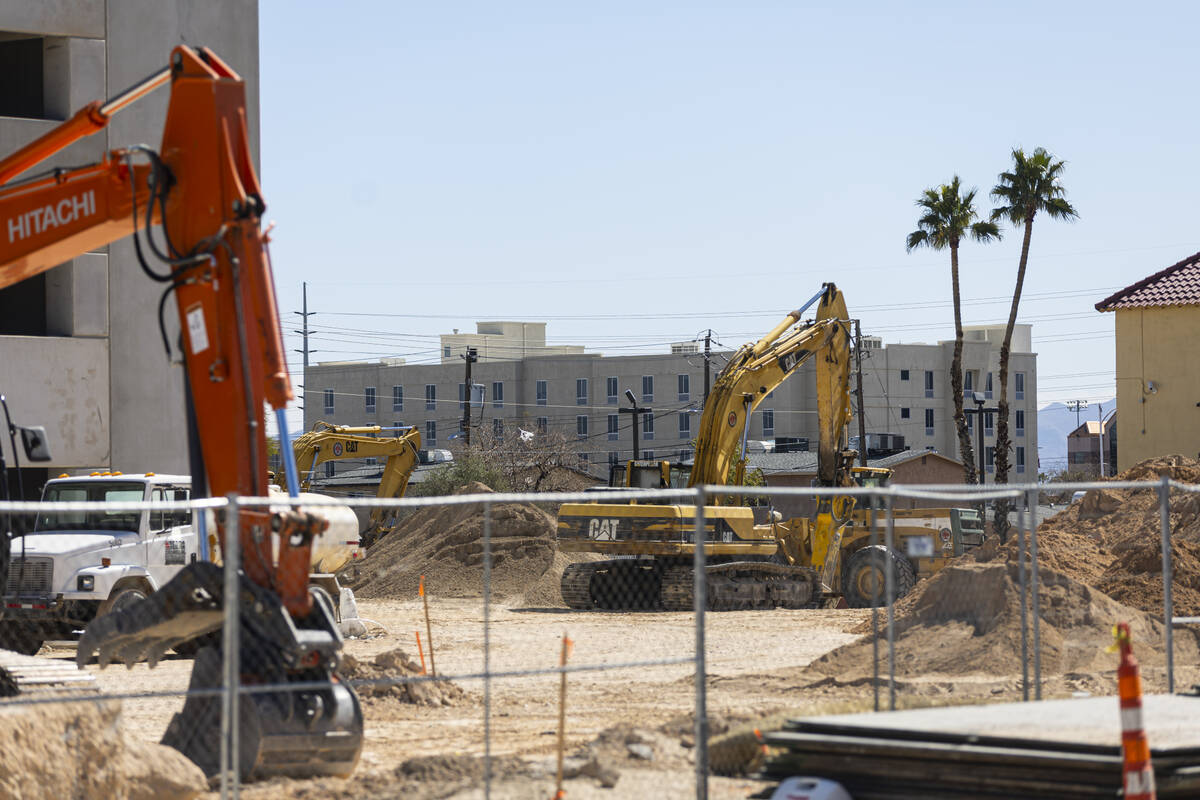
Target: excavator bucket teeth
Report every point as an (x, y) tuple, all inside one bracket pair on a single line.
[(298, 733), (188, 606)]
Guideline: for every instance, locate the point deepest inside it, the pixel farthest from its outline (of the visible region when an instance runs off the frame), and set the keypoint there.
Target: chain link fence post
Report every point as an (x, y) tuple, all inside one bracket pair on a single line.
[(700, 594), (889, 593), (1164, 522), (487, 650), (874, 617), (1031, 521), (1024, 610), (230, 664)]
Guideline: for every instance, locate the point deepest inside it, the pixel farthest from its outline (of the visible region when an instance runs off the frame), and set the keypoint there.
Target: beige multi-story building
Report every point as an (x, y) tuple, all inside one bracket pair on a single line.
[(906, 392), (80, 350)]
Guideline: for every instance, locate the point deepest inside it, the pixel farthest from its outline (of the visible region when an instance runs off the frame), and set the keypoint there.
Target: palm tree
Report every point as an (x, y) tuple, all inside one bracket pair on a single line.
[(947, 216), (1033, 185)]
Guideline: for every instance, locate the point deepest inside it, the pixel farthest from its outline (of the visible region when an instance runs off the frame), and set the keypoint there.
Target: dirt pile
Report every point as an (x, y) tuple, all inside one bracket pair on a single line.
[(966, 620), (1112, 539), (81, 750), (445, 543), (392, 665)]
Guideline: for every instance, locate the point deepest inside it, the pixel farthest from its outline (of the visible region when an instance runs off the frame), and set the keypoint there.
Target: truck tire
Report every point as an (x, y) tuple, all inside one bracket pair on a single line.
[(122, 597), (870, 564), (20, 638)]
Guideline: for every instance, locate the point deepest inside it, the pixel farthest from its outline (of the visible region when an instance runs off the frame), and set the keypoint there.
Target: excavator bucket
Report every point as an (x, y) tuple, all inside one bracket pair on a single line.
[(313, 729)]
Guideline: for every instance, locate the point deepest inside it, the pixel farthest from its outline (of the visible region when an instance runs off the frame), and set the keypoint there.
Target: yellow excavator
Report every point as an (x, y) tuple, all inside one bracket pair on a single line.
[(327, 442), (755, 559), (749, 564)]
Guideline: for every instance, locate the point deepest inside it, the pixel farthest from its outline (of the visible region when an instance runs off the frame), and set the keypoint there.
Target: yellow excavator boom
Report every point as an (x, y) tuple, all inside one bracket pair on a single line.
[(327, 442)]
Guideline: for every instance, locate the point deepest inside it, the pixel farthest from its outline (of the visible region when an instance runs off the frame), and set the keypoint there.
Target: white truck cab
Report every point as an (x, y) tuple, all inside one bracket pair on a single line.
[(75, 565)]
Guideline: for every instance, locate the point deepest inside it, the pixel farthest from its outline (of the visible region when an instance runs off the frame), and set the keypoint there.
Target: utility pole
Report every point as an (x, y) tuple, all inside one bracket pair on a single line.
[(707, 356), (1076, 406), (862, 416), (636, 411), (305, 314), (471, 357), (1100, 435)]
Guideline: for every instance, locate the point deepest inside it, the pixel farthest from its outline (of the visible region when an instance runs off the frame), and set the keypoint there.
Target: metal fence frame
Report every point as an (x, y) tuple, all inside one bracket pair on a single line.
[(1024, 496)]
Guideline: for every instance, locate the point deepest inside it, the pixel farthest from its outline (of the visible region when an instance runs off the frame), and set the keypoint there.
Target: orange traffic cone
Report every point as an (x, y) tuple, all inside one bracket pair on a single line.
[(1137, 772)]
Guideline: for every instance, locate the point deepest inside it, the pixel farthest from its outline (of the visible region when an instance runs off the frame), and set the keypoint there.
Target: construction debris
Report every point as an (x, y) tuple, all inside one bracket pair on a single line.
[(375, 679), (445, 543)]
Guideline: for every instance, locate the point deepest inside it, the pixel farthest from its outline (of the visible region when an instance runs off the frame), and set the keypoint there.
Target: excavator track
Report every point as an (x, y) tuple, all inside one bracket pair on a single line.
[(741, 585), (576, 585), (32, 676)]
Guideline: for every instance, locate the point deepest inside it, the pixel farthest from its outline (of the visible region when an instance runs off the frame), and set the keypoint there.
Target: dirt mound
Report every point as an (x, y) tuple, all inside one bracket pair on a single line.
[(397, 664), (80, 750), (445, 543), (966, 620), (1112, 539)]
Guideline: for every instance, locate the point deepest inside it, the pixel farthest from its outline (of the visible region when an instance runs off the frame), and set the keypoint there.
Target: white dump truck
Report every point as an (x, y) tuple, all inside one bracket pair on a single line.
[(74, 566)]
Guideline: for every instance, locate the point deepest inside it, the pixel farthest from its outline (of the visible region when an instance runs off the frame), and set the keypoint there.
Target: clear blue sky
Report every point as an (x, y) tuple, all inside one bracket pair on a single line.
[(633, 173)]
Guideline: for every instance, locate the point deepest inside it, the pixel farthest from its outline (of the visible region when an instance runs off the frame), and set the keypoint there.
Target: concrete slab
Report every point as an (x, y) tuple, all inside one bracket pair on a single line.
[(1172, 721)]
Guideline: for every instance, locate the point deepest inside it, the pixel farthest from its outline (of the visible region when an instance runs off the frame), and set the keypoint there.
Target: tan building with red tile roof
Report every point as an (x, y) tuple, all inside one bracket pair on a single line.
[(1158, 373)]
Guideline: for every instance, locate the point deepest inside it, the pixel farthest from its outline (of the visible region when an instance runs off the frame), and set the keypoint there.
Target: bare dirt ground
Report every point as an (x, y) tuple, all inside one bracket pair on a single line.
[(757, 668)]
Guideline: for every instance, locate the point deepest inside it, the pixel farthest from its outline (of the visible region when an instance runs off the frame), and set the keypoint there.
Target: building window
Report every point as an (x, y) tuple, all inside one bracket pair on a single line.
[(989, 458), (613, 455), (905, 413), (987, 387), (329, 401), (614, 427), (542, 424), (584, 458), (1020, 459), (685, 426), (610, 390), (768, 420), (929, 421), (581, 423), (647, 426), (970, 423), (398, 424), (446, 352), (497, 394), (1020, 422), (430, 397), (430, 433), (540, 392), (989, 423), (648, 455), (498, 428), (329, 469), (369, 396), (397, 398), (685, 387), (968, 382), (1019, 385), (581, 391), (928, 383), (647, 388), (903, 374)]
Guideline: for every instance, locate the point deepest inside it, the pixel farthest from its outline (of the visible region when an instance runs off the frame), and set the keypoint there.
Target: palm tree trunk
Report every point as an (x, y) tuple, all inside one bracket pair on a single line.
[(1002, 442), (956, 376)]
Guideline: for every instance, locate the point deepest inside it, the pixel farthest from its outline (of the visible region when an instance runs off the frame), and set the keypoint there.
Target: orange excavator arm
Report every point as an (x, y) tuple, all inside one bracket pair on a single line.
[(200, 186)]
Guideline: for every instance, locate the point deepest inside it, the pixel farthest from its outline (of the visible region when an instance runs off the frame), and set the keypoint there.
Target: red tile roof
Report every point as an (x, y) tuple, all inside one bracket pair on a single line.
[(1177, 285)]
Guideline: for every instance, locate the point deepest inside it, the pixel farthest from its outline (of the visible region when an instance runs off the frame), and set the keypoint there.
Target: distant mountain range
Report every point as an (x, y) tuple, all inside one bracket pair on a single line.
[(1054, 422)]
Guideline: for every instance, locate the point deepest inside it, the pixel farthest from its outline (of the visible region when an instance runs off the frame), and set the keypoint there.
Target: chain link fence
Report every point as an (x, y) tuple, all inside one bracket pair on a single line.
[(495, 642)]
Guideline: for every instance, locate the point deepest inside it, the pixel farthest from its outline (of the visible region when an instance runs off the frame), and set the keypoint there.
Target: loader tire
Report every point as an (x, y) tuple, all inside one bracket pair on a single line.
[(870, 564)]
